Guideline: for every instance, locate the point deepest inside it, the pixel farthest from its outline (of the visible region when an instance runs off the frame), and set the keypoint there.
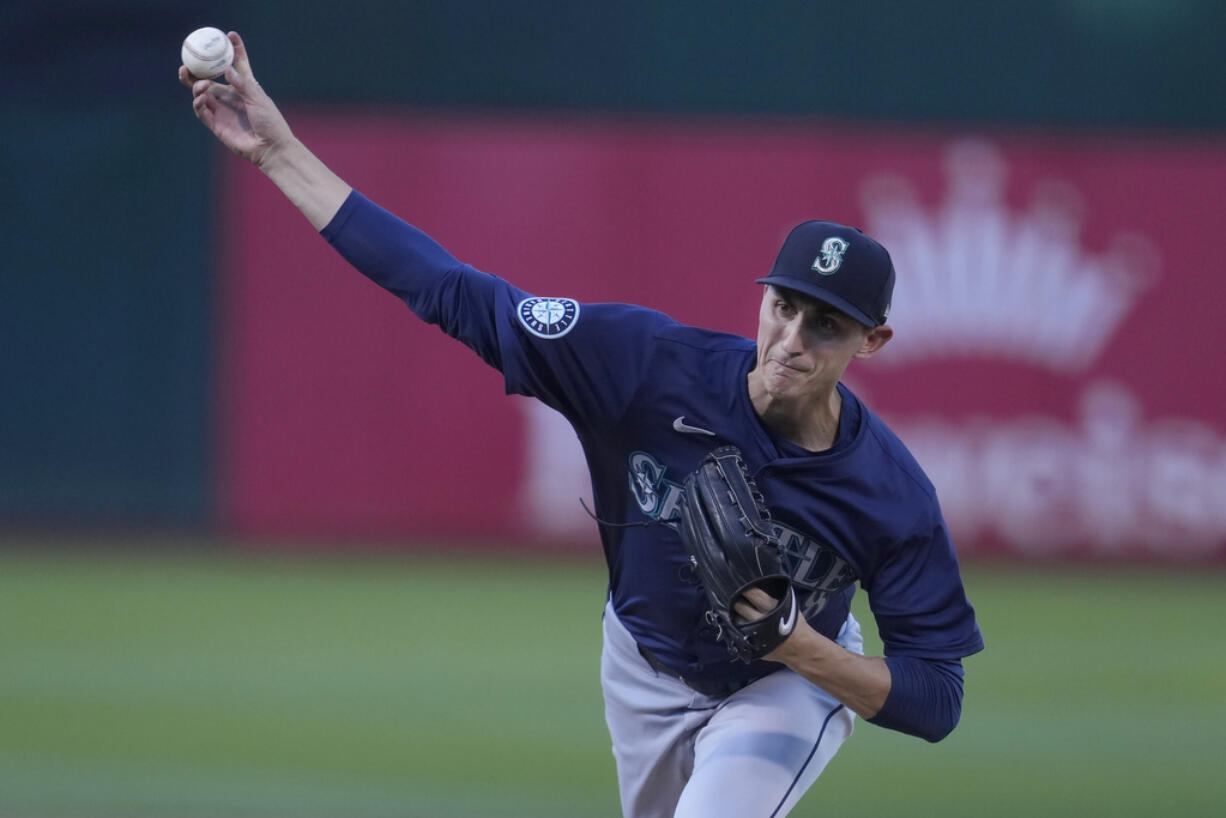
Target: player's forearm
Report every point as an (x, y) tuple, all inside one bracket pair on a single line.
[(306, 181), (862, 683), (919, 697)]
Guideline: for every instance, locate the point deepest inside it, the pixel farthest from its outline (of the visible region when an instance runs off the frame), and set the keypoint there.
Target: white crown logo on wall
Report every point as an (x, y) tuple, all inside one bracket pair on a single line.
[(978, 280)]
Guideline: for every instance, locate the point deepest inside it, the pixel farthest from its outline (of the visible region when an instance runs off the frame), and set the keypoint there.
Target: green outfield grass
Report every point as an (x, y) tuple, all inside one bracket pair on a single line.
[(194, 685)]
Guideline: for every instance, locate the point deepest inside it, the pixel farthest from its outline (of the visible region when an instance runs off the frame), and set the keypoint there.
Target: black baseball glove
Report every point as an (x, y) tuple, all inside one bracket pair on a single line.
[(725, 527)]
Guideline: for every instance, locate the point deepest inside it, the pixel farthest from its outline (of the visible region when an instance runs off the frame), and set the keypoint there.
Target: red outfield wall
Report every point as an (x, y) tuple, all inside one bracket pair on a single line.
[(1058, 364)]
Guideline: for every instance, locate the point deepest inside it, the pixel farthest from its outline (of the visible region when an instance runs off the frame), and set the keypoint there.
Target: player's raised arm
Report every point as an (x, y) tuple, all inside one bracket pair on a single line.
[(245, 119)]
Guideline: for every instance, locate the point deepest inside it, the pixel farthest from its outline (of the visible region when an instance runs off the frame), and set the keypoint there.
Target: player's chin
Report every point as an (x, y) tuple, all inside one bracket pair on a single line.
[(782, 383)]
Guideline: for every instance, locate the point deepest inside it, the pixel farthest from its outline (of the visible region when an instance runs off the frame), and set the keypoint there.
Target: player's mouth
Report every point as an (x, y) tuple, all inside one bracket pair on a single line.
[(785, 365)]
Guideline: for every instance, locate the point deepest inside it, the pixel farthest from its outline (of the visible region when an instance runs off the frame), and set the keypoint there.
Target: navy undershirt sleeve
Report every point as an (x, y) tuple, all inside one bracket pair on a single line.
[(389, 251), (925, 697), (589, 374), (407, 262)]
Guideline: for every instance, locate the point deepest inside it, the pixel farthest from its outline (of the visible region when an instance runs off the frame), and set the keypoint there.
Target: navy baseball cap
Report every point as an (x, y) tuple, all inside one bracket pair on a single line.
[(838, 265)]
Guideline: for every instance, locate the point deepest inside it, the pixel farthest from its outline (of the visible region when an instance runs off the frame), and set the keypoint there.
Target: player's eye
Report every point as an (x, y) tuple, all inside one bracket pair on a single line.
[(827, 326)]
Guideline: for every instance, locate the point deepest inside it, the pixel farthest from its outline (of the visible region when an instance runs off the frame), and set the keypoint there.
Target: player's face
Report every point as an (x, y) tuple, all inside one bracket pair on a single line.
[(804, 345)]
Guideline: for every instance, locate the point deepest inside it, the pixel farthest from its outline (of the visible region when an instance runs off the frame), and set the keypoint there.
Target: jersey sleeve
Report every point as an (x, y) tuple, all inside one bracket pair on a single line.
[(917, 598), (584, 360), (590, 372), (925, 697)]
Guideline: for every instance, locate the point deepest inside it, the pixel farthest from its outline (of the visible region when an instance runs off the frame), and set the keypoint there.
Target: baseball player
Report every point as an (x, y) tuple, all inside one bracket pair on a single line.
[(696, 733)]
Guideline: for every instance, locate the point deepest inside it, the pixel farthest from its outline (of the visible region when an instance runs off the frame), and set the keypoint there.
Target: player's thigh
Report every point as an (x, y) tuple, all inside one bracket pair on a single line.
[(652, 722), (763, 749)]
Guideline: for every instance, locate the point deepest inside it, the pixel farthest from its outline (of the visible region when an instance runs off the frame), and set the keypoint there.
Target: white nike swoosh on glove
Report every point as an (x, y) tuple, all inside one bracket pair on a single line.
[(786, 624)]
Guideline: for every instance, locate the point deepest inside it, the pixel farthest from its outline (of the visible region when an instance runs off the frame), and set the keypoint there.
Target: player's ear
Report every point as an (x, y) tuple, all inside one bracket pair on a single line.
[(876, 338)]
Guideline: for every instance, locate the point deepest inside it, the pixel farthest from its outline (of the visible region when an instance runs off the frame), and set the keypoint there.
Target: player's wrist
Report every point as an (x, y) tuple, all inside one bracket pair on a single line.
[(803, 648), (280, 155)]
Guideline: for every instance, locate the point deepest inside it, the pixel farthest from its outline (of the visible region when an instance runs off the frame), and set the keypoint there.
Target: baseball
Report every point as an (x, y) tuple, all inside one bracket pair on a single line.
[(207, 53)]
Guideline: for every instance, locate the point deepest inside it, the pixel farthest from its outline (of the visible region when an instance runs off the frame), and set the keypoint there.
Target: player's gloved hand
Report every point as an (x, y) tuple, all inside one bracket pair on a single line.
[(754, 605), (240, 114), (725, 528)]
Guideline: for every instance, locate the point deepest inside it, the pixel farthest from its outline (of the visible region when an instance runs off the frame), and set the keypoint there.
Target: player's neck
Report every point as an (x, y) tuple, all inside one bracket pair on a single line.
[(811, 422)]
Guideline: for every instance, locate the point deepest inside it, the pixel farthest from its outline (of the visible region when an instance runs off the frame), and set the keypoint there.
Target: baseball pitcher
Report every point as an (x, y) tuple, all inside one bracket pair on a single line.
[(742, 492)]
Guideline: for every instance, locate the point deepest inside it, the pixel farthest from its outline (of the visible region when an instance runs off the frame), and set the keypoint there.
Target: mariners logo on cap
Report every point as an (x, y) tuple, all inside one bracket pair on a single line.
[(831, 258), (548, 317)]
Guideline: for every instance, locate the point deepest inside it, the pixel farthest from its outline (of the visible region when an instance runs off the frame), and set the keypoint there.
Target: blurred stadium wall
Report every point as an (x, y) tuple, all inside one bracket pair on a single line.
[(178, 351)]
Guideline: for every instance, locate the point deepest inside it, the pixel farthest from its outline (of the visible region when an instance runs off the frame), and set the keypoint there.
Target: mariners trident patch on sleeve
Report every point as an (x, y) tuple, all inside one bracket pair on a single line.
[(548, 317)]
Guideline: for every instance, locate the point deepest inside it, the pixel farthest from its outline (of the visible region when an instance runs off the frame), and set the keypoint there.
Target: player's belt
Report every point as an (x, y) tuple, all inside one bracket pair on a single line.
[(714, 688)]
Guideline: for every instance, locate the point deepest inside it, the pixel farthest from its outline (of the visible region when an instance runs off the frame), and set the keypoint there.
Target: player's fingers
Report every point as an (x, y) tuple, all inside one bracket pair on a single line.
[(204, 92), (189, 79), (241, 61), (745, 612), (203, 98), (238, 80), (208, 91), (201, 107), (760, 599)]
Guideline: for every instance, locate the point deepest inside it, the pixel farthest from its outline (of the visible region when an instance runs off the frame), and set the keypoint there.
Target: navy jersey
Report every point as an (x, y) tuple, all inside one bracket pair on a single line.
[(648, 398)]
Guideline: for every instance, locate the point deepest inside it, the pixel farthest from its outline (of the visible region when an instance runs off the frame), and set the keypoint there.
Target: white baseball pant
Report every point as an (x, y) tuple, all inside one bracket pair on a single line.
[(683, 754)]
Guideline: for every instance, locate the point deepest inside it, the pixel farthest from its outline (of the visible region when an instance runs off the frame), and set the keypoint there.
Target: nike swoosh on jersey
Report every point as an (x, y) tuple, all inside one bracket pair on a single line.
[(681, 426), (786, 624)]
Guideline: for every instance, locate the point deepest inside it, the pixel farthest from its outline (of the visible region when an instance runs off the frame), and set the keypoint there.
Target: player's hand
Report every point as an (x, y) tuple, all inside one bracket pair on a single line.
[(755, 604), (239, 113)]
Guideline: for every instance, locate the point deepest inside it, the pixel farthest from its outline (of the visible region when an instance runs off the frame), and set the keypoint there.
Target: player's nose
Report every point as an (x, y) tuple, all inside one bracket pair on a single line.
[(792, 339)]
